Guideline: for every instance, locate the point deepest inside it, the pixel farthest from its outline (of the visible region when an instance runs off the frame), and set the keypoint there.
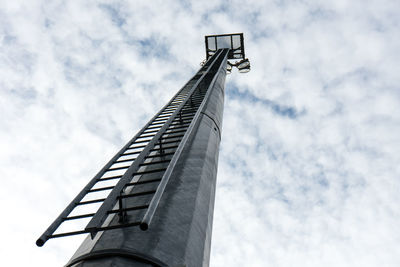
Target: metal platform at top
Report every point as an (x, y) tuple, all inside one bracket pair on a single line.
[(233, 41)]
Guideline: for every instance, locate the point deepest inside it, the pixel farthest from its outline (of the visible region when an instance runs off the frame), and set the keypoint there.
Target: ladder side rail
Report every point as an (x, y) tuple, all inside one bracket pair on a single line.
[(147, 218), (60, 219), (97, 220)]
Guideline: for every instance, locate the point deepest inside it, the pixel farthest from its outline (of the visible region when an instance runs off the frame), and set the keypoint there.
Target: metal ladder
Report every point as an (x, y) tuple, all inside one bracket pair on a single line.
[(133, 181)]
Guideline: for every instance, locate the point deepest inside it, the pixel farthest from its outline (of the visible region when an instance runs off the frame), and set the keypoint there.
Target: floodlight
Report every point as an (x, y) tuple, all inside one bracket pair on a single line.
[(244, 69), (243, 63), (228, 68)]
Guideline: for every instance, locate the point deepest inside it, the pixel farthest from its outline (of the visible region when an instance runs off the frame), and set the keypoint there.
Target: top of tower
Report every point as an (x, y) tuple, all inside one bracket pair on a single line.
[(233, 41)]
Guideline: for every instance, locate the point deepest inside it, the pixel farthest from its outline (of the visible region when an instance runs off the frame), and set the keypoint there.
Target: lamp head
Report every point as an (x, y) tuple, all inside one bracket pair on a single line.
[(245, 69)]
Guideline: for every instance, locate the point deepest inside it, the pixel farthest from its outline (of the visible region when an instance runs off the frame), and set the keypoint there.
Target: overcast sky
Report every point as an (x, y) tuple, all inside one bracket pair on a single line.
[(309, 171)]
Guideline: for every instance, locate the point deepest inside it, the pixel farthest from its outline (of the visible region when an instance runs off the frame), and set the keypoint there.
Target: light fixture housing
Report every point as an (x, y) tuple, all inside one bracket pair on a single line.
[(243, 63), (244, 69), (228, 68)]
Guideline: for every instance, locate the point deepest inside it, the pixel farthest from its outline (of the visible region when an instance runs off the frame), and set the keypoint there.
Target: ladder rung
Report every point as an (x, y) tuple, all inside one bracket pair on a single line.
[(129, 209), (172, 105), (197, 97), (172, 136), (91, 201), (170, 109), (189, 110), (176, 128), (124, 160), (154, 127), (155, 162), (118, 168), (183, 119), (100, 189), (178, 118), (110, 227), (148, 135), (194, 103), (78, 217), (147, 172), (161, 119), (110, 178), (166, 111), (165, 115), (138, 194), (194, 100), (69, 233), (172, 132), (178, 121), (153, 131), (144, 182), (141, 141), (185, 114), (166, 143), (135, 147), (131, 153), (170, 140), (160, 156), (157, 123), (164, 148)]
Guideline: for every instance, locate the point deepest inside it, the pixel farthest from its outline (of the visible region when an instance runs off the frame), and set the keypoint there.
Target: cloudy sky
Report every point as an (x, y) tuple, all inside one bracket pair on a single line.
[(309, 170)]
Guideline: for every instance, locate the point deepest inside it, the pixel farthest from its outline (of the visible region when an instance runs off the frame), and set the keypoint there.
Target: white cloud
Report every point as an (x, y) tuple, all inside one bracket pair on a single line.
[(77, 79)]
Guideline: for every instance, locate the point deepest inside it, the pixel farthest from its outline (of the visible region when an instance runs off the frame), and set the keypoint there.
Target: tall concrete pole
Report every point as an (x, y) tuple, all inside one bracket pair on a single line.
[(180, 232), (152, 203)]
